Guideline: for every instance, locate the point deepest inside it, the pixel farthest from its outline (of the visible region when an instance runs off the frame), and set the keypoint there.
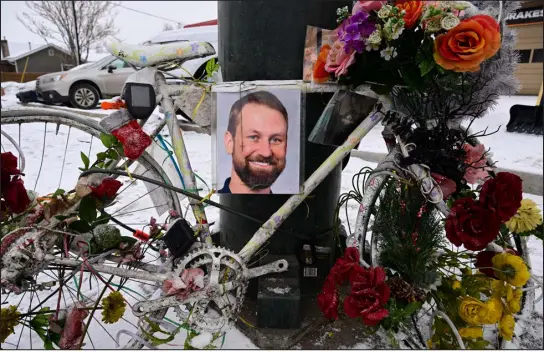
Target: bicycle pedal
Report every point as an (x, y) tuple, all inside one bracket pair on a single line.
[(179, 237)]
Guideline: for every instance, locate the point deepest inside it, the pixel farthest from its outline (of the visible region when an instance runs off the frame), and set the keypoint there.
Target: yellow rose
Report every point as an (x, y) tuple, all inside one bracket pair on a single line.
[(511, 268), (513, 299), (472, 332), (506, 326), (471, 310)]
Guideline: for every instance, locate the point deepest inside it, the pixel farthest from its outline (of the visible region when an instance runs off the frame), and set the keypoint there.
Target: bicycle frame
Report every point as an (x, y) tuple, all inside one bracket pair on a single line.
[(274, 222)]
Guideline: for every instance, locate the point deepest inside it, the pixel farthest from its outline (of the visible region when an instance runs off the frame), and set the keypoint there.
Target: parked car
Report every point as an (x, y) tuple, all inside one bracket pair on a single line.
[(85, 86)]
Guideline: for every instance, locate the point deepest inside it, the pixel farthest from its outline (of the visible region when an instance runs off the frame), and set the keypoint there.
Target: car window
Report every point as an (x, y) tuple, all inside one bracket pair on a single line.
[(118, 63)]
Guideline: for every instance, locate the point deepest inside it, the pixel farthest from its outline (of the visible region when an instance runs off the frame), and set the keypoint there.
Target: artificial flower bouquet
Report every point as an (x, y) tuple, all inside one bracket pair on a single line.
[(400, 42)]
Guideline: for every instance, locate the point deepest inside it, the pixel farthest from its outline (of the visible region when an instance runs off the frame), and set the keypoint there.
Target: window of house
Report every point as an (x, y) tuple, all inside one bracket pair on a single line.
[(51, 52), (538, 55)]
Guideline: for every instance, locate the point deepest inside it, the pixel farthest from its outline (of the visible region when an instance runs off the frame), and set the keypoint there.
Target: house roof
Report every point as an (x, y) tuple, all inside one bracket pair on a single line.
[(17, 48), (15, 57)]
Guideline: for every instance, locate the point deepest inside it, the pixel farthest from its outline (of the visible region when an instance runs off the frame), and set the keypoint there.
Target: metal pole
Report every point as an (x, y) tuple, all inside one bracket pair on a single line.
[(77, 34)]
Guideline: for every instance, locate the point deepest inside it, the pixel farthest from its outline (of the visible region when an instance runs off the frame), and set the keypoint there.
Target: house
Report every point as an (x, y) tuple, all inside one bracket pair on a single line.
[(36, 58), (527, 22)]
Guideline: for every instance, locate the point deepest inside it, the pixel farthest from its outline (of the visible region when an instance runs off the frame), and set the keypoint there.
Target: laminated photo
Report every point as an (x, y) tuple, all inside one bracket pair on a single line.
[(257, 139)]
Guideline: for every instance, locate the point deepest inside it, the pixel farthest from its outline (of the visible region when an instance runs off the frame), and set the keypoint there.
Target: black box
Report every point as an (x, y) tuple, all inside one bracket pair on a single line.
[(278, 297)]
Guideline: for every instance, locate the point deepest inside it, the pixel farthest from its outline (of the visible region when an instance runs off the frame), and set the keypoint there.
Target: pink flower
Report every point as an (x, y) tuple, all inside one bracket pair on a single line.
[(476, 161), (367, 6), (338, 61)]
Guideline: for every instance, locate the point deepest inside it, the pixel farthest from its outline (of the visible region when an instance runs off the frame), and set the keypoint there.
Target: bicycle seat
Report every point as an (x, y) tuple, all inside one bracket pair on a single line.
[(156, 54)]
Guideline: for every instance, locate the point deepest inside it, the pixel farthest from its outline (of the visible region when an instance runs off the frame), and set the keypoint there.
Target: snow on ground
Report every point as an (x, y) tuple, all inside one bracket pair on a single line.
[(514, 151), (526, 156)]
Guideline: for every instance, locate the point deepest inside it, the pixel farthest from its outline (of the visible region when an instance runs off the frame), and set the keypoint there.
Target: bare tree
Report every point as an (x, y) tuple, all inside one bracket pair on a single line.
[(54, 21), (167, 27)]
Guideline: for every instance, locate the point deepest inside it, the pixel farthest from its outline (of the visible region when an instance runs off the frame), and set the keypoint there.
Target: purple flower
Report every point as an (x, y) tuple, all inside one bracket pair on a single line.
[(354, 30)]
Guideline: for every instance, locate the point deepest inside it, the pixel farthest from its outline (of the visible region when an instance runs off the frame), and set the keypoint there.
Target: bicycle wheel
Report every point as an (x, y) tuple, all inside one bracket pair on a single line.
[(368, 245), (62, 136)]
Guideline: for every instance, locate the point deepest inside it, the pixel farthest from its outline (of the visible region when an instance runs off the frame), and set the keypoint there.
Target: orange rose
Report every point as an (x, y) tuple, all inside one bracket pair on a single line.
[(463, 48), (413, 11), (319, 73)]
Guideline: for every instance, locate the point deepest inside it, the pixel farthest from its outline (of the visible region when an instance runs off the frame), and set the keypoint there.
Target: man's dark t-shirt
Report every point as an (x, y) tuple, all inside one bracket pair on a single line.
[(226, 188)]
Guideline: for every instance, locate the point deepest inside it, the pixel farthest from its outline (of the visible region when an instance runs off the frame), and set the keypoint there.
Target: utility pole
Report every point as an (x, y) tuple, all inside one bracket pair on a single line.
[(78, 57), (264, 40)]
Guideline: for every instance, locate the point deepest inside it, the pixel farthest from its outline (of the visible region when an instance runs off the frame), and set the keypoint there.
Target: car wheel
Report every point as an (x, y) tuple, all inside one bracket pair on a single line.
[(84, 96)]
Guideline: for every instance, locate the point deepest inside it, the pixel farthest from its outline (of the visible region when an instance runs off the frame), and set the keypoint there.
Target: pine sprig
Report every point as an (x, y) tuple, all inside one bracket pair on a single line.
[(409, 233)]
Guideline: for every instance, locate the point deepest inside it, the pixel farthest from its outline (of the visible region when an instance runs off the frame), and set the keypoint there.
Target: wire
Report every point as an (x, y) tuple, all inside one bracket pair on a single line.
[(148, 14), (190, 195)]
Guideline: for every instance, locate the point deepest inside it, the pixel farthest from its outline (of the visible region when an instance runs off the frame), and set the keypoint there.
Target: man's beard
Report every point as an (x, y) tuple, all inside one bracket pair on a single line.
[(258, 179)]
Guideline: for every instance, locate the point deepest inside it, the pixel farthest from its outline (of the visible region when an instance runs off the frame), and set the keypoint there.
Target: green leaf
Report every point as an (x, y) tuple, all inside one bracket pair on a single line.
[(412, 307), (59, 192), (85, 160), (426, 67), (101, 156), (87, 209), (107, 140), (40, 324), (80, 226), (112, 154), (104, 218)]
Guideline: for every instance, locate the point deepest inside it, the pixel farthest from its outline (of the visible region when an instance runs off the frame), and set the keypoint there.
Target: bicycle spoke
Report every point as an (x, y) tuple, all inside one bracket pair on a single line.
[(64, 156), (43, 154)]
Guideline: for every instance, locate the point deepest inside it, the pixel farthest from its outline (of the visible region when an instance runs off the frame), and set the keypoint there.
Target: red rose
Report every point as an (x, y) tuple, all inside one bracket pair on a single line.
[(369, 293), (484, 263), (328, 299), (107, 188), (471, 224), (8, 168), (502, 194), (16, 197), (133, 139), (344, 265)]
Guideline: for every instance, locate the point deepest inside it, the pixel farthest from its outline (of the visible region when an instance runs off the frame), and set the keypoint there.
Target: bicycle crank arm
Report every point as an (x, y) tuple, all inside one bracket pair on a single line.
[(142, 308), (275, 267)]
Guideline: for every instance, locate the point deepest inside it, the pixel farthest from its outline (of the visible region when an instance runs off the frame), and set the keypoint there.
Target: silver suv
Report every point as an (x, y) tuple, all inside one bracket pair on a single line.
[(84, 87)]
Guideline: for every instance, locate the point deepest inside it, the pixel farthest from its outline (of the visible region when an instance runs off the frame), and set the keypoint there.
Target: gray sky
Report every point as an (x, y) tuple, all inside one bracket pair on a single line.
[(133, 27)]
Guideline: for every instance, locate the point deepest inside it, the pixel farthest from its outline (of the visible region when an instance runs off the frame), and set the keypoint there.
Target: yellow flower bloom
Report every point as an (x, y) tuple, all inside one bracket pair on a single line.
[(9, 319), (527, 218), (494, 311), (513, 299), (472, 332), (511, 268), (506, 326), (497, 287), (472, 310), (113, 307), (430, 344), (456, 285)]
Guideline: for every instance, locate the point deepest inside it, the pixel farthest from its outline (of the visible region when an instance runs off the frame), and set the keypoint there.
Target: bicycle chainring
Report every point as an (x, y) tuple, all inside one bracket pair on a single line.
[(225, 285)]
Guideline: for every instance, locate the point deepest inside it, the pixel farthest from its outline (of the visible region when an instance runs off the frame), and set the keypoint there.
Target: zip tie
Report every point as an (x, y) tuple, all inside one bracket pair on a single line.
[(245, 322), (199, 103)]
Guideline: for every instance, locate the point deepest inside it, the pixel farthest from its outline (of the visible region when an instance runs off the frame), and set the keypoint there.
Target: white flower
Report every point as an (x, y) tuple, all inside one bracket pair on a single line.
[(370, 47), (385, 11), (375, 37), (432, 25), (449, 22), (388, 53), (397, 32), (393, 28)]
